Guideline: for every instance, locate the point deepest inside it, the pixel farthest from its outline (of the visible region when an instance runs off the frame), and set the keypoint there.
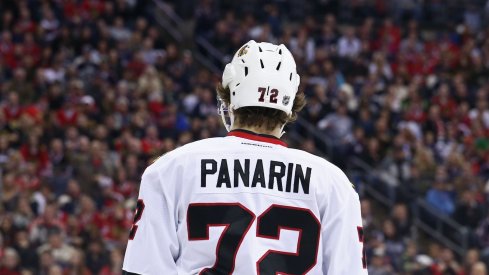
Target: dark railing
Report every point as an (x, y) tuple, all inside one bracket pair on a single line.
[(440, 227), (169, 20), (214, 59)]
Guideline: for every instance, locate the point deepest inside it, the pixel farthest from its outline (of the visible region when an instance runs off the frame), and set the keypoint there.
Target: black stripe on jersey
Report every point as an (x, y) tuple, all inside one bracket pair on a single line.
[(129, 273)]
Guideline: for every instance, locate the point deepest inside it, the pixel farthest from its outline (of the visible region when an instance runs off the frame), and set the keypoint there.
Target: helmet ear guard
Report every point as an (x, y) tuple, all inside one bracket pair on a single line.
[(228, 75), (260, 75)]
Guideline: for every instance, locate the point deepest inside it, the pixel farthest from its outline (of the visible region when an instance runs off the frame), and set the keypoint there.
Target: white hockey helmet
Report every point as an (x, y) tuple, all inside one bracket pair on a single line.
[(261, 75)]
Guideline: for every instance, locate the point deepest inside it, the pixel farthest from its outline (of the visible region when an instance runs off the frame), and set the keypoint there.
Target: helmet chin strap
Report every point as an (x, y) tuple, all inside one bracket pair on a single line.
[(282, 132), (222, 112)]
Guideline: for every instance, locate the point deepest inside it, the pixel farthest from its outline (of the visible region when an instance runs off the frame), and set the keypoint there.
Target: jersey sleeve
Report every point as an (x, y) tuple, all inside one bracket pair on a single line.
[(342, 232), (153, 244)]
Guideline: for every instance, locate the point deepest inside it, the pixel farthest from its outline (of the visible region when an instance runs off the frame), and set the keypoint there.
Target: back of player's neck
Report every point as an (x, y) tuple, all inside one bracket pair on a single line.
[(259, 130)]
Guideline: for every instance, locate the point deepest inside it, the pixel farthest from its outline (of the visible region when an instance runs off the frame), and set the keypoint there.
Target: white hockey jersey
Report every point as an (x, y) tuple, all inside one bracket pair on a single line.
[(245, 204)]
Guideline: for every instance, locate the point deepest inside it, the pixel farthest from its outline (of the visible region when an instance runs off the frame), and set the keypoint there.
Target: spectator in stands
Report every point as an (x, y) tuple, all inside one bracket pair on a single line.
[(479, 268), (469, 211), (393, 243), (379, 265), (471, 259), (62, 253), (440, 196), (10, 262), (408, 262), (349, 45), (338, 125), (401, 219), (483, 236)]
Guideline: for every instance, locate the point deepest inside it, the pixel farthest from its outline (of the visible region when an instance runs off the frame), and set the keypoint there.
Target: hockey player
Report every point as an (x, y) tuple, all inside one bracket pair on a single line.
[(245, 203)]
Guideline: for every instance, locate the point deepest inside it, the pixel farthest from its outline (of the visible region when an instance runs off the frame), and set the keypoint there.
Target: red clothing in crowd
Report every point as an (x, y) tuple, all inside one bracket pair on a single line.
[(8, 54), (6, 271), (86, 9), (34, 51), (136, 67), (38, 155), (26, 26), (415, 112), (12, 112), (156, 108), (67, 117), (437, 269), (28, 183), (390, 37), (148, 146), (447, 106)]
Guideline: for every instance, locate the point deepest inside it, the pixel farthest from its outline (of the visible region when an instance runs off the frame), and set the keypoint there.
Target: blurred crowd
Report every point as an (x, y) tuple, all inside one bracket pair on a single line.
[(91, 92)]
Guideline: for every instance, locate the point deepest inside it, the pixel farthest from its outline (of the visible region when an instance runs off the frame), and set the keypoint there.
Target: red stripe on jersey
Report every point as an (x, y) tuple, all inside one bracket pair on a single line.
[(256, 137)]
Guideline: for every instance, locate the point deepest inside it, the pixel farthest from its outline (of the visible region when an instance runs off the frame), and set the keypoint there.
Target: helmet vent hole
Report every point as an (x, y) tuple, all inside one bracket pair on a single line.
[(280, 51), (260, 49), (242, 60), (278, 66), (290, 77), (261, 62), (246, 71), (234, 93), (237, 84)]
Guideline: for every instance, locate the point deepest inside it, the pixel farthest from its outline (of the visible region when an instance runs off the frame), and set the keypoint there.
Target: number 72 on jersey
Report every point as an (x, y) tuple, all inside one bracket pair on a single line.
[(237, 220)]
